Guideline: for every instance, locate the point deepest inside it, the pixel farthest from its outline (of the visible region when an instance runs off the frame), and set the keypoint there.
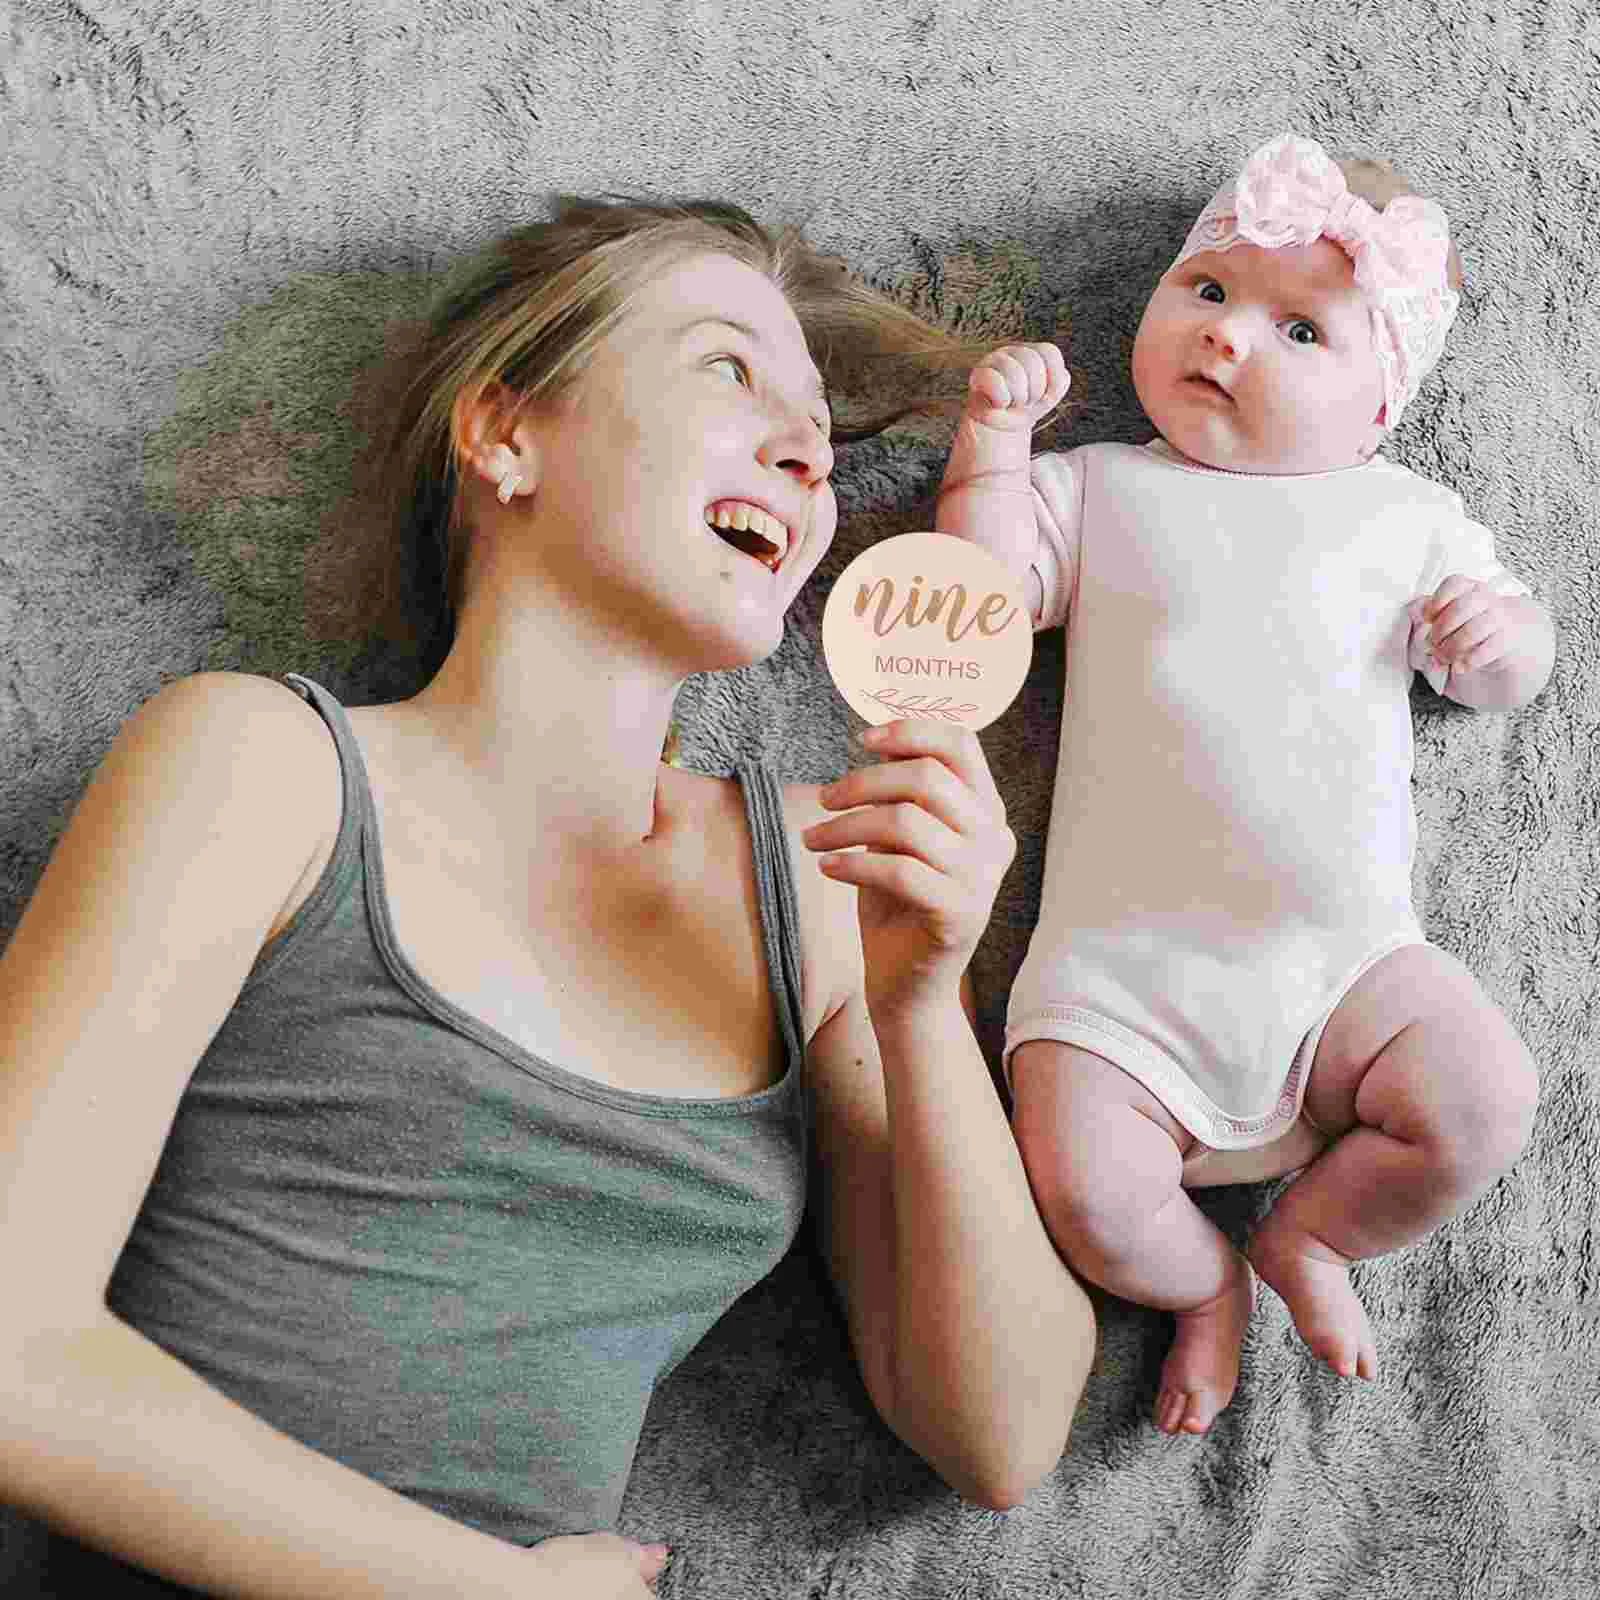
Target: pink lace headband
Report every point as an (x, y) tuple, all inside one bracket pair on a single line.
[(1289, 193)]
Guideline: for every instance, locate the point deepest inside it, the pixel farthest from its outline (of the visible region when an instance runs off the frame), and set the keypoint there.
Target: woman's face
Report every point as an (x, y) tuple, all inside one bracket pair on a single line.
[(682, 493)]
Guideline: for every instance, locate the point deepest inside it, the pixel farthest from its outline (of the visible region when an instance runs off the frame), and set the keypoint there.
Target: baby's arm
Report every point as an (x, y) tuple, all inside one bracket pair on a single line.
[(1497, 649), (986, 495), (1477, 633)]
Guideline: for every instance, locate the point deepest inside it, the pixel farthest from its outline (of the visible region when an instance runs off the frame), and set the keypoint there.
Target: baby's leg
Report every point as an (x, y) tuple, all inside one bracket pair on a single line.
[(1105, 1159), (1433, 1094)]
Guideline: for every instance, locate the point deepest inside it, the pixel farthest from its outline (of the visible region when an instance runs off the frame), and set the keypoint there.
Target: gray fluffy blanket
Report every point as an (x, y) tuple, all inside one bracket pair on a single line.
[(209, 207)]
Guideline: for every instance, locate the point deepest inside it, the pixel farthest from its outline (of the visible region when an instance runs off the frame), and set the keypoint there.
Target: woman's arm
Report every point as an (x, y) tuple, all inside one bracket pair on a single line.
[(973, 1338), (188, 842)]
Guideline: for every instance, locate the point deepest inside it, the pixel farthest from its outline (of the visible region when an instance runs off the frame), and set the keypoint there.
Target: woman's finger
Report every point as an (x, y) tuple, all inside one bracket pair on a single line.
[(902, 878), (919, 780), (954, 747), (903, 827)]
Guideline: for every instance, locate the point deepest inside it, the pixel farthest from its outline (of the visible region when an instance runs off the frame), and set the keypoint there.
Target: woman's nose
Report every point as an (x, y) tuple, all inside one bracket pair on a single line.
[(799, 447)]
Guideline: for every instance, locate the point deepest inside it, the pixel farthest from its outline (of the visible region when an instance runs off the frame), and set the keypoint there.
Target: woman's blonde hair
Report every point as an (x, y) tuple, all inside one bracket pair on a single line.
[(526, 312)]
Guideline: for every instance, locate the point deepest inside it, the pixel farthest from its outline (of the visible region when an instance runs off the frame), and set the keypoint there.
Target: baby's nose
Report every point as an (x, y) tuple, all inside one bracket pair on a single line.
[(1227, 335)]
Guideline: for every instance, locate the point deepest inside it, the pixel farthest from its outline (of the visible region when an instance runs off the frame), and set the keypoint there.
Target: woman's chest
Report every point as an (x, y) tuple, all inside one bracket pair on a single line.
[(647, 970), (651, 985)]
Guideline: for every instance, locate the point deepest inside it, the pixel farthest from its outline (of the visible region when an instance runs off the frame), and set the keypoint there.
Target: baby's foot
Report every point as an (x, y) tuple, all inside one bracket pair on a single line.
[(1202, 1367), (1314, 1281)]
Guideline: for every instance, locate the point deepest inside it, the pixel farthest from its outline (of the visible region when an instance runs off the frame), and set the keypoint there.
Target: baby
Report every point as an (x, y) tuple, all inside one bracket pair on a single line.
[(1228, 981)]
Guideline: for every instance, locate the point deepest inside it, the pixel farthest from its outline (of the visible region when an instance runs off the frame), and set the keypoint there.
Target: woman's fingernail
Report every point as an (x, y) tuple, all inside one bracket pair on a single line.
[(870, 736)]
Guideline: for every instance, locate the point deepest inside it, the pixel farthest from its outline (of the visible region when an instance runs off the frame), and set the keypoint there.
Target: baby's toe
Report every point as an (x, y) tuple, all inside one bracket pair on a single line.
[(1187, 1410)]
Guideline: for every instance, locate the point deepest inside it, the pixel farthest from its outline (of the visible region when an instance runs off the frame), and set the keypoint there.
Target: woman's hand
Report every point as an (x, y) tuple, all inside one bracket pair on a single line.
[(598, 1566), (936, 847)]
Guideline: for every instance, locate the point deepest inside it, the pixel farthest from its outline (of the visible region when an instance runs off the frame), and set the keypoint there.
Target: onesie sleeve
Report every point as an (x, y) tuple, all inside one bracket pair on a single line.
[(1058, 512), (1465, 548)]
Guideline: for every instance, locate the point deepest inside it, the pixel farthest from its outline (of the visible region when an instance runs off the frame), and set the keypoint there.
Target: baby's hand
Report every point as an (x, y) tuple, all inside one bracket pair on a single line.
[(1472, 626), (985, 496), (1013, 387)]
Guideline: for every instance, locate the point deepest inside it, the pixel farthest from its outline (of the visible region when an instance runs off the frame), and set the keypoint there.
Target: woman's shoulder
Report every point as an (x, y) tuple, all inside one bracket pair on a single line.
[(252, 735), (241, 753), (276, 713)]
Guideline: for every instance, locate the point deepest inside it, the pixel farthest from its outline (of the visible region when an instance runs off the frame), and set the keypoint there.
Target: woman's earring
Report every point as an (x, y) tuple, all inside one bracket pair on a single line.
[(509, 479)]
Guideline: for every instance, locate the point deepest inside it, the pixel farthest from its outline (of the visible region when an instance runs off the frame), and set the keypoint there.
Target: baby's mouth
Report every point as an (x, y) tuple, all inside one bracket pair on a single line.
[(750, 530), (1208, 385)]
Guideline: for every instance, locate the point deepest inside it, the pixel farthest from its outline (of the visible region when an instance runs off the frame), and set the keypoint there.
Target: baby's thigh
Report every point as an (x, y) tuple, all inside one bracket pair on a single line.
[(1092, 1137), (1416, 1047)]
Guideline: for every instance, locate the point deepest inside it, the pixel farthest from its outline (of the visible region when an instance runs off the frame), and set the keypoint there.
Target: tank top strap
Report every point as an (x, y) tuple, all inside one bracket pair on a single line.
[(342, 874), (358, 807), (780, 907)]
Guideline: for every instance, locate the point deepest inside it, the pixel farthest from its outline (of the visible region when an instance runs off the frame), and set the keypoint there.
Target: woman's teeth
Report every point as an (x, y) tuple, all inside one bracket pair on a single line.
[(751, 530)]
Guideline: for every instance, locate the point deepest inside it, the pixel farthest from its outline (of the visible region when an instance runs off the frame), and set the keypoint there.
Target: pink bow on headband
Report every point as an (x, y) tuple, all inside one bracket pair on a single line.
[(1290, 193)]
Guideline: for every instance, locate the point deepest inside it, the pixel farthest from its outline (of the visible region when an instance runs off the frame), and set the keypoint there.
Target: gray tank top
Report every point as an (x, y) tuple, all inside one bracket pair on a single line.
[(420, 1249)]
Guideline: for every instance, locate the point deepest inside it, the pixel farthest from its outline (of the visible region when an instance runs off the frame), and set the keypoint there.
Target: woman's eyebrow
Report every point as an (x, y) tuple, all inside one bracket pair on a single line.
[(820, 389)]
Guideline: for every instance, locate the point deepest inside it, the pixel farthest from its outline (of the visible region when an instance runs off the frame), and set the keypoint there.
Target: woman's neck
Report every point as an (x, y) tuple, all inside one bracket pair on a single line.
[(554, 720)]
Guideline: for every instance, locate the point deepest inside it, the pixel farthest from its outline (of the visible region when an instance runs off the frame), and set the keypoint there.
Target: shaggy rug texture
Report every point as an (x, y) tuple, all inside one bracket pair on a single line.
[(211, 211)]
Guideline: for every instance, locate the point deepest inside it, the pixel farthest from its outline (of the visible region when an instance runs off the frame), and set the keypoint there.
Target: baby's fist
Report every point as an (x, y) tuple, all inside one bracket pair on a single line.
[(1465, 625), (1016, 385)]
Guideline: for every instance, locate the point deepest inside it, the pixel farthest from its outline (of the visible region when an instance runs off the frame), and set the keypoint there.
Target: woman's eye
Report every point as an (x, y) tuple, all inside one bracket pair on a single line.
[(1209, 289), (1302, 332), (741, 373)]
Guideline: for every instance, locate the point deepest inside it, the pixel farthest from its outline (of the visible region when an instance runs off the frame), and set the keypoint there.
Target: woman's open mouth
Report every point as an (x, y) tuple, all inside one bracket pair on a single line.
[(750, 530)]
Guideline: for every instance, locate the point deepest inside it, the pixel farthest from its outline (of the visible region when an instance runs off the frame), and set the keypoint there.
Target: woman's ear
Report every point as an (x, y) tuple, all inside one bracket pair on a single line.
[(495, 443)]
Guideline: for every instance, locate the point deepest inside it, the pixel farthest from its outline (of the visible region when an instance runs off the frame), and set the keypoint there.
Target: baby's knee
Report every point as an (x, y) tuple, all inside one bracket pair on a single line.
[(1065, 1177), (1099, 1167), (1486, 1117)]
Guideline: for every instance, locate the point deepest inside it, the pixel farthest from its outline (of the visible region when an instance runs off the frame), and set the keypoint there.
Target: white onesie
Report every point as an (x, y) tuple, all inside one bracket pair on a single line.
[(1231, 832)]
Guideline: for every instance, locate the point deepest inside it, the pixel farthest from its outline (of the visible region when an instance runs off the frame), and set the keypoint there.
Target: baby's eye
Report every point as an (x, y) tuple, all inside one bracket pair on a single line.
[(1210, 289), (1302, 332), (741, 373)]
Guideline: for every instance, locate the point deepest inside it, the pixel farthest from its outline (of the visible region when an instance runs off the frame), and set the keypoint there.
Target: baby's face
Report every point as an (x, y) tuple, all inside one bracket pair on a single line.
[(1261, 360)]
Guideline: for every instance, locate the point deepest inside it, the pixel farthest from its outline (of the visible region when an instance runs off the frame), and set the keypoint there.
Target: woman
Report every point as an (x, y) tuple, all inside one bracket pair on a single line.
[(437, 1066)]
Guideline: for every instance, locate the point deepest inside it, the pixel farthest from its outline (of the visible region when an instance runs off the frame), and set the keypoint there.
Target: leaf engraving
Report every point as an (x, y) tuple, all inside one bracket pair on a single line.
[(918, 705)]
